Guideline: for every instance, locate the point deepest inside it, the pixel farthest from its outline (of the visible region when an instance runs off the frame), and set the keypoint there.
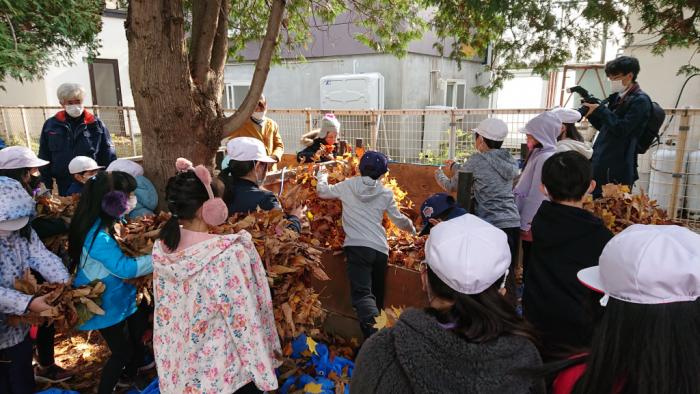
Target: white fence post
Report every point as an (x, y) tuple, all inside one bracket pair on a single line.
[(678, 167), (24, 124), (453, 135), (374, 129), (131, 131), (5, 126)]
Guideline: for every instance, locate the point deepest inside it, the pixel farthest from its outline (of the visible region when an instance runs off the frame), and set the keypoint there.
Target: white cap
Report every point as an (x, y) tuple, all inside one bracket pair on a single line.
[(124, 165), (14, 157), (648, 264), (81, 164), (467, 253), (15, 224), (567, 115), (493, 129), (248, 149)]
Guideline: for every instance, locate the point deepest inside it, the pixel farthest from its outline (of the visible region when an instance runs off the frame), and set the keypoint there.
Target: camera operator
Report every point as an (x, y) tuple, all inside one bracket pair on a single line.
[(619, 124)]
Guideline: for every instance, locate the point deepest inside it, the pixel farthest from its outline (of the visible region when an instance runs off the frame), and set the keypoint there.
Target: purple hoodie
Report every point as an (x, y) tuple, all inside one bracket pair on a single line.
[(545, 127)]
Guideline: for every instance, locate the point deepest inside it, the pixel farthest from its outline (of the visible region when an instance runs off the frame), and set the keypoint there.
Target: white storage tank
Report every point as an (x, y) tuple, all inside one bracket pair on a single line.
[(692, 202), (644, 170), (352, 91), (663, 162)]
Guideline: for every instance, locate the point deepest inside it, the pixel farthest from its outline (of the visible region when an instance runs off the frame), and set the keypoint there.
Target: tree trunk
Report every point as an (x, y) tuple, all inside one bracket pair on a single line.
[(175, 118)]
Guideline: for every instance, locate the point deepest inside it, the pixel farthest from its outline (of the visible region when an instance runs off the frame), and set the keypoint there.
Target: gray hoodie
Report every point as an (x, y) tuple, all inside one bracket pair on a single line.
[(419, 356), (493, 171), (364, 202)]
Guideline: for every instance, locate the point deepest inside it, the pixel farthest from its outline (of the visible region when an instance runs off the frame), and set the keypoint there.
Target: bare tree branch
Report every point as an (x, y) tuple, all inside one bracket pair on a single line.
[(220, 45), (262, 68), (204, 12)]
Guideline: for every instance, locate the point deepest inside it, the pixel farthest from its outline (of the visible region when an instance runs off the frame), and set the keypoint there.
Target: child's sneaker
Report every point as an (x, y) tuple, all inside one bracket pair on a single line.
[(51, 374)]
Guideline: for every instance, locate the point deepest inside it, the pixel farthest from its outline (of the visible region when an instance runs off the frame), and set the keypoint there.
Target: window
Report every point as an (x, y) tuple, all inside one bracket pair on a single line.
[(455, 90), (234, 93)]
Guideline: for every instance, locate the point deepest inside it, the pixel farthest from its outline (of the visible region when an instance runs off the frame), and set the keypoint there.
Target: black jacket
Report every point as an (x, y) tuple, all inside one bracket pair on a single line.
[(308, 153), (244, 196), (565, 240), (417, 355), (615, 149)]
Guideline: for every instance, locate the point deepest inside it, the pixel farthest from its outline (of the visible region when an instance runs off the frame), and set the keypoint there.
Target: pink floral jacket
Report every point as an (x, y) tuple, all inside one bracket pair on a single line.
[(214, 330)]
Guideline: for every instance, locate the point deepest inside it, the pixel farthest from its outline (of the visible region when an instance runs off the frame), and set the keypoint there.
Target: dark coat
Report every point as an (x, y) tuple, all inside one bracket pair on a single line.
[(620, 124), (308, 153), (417, 355), (244, 196), (565, 240), (63, 138)]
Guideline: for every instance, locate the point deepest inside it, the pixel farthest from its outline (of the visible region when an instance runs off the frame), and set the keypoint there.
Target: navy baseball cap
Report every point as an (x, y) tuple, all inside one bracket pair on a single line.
[(373, 164), (436, 205)]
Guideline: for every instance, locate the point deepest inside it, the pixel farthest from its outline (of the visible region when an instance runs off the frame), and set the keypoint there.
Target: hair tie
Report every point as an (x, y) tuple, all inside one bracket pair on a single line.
[(214, 210)]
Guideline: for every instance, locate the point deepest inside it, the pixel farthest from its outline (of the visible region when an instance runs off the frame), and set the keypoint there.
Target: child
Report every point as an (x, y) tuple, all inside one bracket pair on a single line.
[(494, 170), (365, 200), (542, 132), (146, 194), (95, 255), (22, 165), (322, 139), (570, 138), (20, 249), (81, 168), (214, 325), (438, 208), (566, 239)]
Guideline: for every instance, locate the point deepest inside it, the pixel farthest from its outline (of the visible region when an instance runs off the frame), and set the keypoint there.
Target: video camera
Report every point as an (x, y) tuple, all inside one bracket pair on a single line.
[(586, 97)]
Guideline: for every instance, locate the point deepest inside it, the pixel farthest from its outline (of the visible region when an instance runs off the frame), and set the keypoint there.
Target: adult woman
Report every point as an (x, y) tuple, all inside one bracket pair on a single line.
[(647, 340), (214, 330), (72, 132), (470, 339), (244, 176)]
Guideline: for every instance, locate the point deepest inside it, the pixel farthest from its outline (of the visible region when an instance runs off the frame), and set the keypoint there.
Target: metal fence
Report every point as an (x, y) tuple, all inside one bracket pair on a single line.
[(670, 172)]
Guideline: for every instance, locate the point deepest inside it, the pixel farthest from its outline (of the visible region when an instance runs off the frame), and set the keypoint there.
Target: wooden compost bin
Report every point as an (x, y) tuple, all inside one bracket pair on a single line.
[(403, 286)]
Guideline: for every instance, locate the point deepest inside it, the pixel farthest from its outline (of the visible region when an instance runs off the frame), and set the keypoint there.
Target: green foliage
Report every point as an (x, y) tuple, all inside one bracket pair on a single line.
[(675, 23), (464, 148), (37, 33)]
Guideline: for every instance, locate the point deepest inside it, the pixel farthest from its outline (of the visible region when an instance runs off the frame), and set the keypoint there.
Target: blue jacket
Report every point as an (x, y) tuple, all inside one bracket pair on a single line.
[(103, 260), (620, 124), (247, 197), (74, 188), (63, 138), (146, 196)]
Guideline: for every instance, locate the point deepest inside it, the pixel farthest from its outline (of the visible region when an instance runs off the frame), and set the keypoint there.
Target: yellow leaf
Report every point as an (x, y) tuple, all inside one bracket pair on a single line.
[(314, 182), (311, 344), (381, 321), (309, 215), (313, 388)]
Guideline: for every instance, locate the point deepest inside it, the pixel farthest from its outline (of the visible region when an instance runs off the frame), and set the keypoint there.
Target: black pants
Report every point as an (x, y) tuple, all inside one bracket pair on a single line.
[(45, 334), (366, 272), (128, 351), (249, 388), (513, 234), (16, 372), (527, 249)]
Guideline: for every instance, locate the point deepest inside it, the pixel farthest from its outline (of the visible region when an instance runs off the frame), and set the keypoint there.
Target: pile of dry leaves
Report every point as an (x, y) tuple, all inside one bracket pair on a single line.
[(69, 307), (388, 317), (619, 209), (137, 236), (49, 205)]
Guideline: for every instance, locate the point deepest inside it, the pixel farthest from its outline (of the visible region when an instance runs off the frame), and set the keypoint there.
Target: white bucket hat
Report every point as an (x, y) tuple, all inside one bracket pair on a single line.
[(467, 253), (81, 164), (648, 264), (248, 149), (124, 165), (567, 115), (14, 157), (493, 129)]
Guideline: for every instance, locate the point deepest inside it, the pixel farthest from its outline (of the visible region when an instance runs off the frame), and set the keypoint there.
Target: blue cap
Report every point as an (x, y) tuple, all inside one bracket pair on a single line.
[(436, 205), (374, 164)]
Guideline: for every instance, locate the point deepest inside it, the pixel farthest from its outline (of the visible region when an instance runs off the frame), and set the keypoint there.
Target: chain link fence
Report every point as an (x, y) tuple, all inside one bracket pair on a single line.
[(669, 172)]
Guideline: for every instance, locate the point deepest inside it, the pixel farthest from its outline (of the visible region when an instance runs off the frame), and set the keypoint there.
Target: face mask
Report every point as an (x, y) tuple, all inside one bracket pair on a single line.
[(617, 86), (131, 204), (5, 233), (258, 115), (74, 110)]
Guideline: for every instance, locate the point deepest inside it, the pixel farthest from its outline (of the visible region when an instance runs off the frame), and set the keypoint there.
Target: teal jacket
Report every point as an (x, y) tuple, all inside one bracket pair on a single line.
[(146, 197), (103, 260)]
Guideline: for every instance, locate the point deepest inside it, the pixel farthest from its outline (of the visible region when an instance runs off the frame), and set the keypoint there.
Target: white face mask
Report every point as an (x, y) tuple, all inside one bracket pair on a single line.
[(617, 86), (74, 110), (258, 115), (5, 233), (131, 204)]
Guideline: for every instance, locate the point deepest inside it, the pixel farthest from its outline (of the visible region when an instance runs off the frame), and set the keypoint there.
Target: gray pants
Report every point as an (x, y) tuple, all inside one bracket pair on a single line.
[(366, 272)]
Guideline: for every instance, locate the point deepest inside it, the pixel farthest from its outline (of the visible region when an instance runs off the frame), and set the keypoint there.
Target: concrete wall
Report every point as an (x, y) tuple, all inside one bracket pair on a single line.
[(407, 80), (43, 91)]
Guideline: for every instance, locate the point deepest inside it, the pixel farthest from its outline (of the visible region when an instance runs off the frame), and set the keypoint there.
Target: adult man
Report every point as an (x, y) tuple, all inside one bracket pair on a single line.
[(263, 128), (620, 124), (72, 132)]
